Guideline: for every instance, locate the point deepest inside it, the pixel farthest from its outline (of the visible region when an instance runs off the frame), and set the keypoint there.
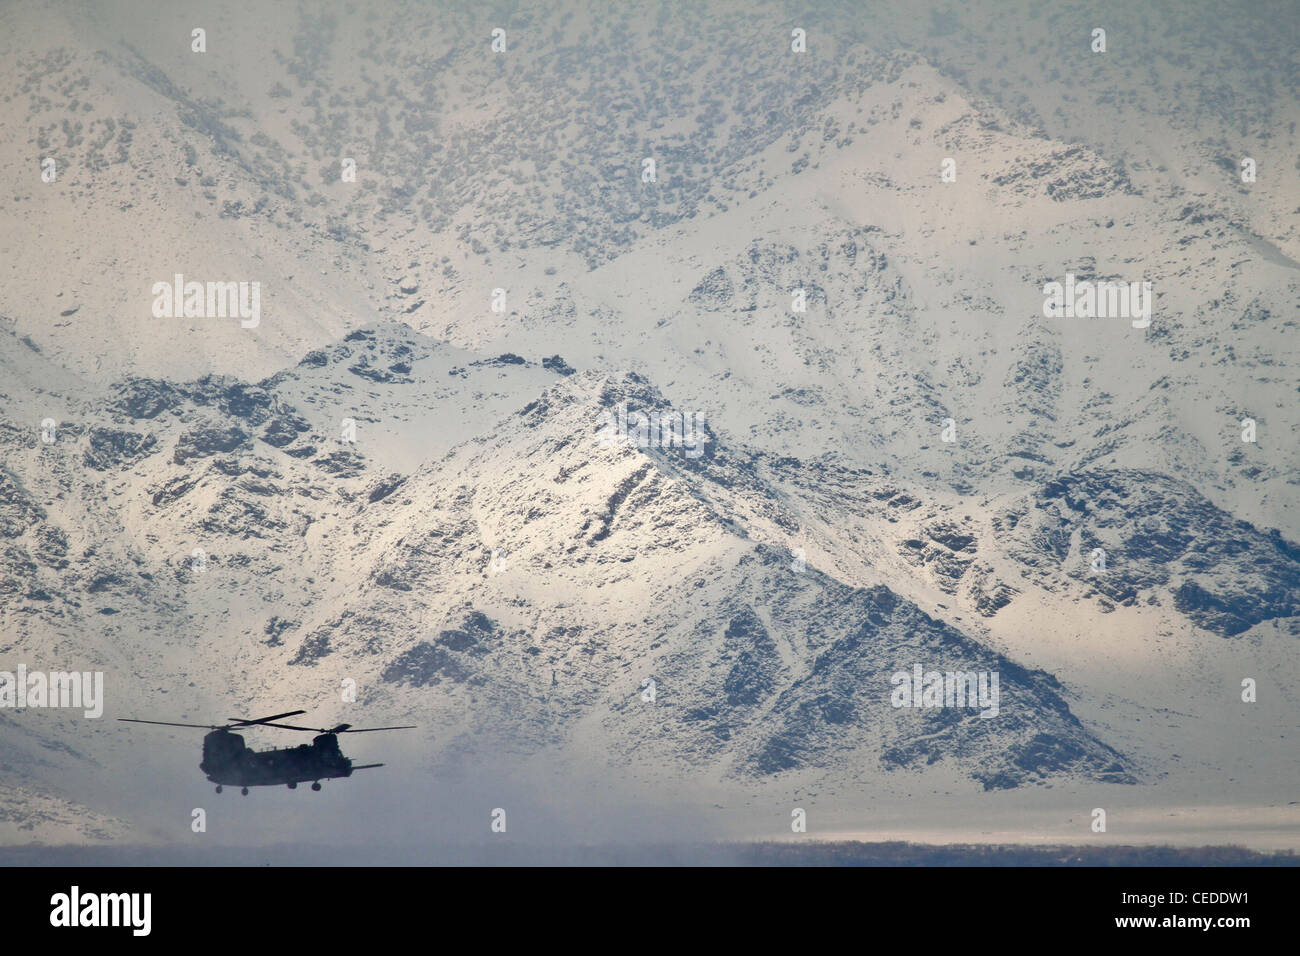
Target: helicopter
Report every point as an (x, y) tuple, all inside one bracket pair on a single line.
[(227, 761)]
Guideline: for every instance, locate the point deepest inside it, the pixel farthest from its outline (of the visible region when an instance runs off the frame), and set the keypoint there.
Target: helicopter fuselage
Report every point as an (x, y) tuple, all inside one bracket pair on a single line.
[(228, 760)]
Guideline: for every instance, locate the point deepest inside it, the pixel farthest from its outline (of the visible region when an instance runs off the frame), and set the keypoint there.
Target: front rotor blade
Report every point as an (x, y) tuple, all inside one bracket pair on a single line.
[(340, 729), (310, 730), (370, 730)]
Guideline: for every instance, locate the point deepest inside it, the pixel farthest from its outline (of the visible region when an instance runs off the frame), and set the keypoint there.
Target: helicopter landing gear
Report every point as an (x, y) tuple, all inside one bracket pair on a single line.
[(244, 791), (316, 785), (218, 788), (293, 786)]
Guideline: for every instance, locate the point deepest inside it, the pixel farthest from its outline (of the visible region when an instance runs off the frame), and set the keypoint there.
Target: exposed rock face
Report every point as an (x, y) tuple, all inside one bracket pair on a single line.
[(1160, 539), (204, 442), (116, 448)]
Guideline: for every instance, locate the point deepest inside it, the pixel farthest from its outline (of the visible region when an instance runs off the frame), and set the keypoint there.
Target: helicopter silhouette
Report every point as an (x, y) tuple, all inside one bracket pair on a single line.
[(228, 761)]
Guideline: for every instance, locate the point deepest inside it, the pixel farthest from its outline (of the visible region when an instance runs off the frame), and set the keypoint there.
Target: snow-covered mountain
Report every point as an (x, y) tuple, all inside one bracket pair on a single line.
[(887, 454)]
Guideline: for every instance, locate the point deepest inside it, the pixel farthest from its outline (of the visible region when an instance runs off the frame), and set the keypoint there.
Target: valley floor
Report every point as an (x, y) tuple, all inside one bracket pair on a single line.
[(818, 853)]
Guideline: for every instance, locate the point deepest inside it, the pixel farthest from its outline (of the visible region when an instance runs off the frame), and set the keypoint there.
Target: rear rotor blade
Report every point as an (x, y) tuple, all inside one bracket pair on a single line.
[(262, 720), (168, 723), (367, 766)]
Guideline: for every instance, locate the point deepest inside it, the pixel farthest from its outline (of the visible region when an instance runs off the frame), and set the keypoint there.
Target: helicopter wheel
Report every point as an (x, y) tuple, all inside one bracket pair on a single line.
[(316, 785), (293, 786), (244, 791), (218, 788)]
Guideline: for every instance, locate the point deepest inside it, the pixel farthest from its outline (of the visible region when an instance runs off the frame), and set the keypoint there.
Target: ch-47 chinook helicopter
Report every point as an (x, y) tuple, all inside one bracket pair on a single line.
[(227, 761)]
